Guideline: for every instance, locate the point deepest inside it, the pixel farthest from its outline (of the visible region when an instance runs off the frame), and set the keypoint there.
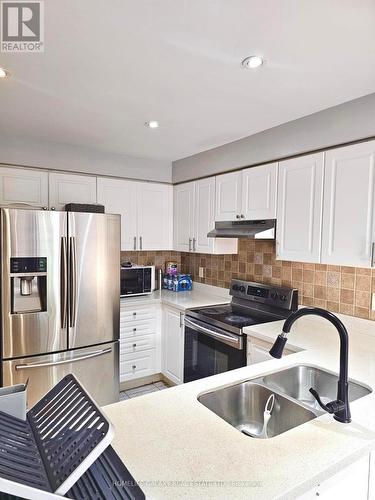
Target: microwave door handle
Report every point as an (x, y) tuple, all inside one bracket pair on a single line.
[(235, 342), (92, 354), (64, 282)]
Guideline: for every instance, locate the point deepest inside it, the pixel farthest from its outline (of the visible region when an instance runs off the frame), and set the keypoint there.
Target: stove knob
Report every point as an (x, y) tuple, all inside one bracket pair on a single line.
[(283, 298), (274, 296), (235, 287), (242, 289)]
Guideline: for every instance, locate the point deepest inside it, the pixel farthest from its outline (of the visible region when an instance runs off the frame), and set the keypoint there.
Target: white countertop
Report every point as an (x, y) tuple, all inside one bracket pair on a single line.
[(201, 295), (171, 443)]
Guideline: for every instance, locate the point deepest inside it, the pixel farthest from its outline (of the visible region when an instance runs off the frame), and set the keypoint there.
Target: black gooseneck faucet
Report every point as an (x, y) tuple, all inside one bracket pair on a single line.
[(339, 407)]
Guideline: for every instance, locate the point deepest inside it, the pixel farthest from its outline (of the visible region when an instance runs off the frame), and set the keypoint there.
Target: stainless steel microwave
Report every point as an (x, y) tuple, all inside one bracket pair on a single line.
[(137, 280)]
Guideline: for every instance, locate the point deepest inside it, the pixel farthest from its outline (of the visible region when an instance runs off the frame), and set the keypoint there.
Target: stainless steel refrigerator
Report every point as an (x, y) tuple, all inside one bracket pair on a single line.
[(60, 300)]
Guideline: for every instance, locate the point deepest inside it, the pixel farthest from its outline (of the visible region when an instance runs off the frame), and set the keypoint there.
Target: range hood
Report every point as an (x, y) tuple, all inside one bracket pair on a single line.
[(253, 229)]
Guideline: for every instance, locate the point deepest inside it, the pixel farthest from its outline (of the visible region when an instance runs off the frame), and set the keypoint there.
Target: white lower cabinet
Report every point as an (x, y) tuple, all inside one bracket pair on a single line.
[(258, 350), (173, 344), (350, 483), (139, 340)]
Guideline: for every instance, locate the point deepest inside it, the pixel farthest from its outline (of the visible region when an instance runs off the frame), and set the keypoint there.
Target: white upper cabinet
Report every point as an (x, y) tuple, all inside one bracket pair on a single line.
[(259, 192), (69, 188), (154, 216), (23, 188), (183, 216), (247, 194), (299, 211), (204, 215), (348, 223), (228, 196), (145, 209), (194, 218), (119, 197)]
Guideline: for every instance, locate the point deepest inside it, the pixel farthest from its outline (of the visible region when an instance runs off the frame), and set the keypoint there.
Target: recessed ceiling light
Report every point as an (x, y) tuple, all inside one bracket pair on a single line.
[(252, 62), (4, 73), (152, 124)]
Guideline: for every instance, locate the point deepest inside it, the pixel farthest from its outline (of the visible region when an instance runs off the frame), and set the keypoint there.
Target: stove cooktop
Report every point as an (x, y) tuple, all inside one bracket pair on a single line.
[(234, 316), (252, 304)]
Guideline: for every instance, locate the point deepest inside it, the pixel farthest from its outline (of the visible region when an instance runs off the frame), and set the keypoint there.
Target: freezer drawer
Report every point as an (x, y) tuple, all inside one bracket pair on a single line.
[(96, 368)]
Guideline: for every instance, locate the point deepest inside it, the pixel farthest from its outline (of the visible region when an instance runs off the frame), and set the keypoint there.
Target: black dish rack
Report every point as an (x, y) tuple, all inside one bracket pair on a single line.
[(62, 447)]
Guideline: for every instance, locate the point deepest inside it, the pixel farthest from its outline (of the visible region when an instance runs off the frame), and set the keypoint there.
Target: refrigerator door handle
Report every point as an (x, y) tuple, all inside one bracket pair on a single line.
[(64, 282), (92, 354), (73, 282)]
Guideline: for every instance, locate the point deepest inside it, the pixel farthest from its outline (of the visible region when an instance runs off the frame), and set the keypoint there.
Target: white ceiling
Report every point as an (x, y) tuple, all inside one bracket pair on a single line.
[(110, 66)]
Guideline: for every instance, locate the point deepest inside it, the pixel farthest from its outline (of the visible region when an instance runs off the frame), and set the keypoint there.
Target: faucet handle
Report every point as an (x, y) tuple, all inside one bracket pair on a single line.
[(331, 407)]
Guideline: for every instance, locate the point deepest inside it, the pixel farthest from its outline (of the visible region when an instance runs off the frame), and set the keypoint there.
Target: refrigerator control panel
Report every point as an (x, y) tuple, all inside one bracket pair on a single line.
[(20, 265)]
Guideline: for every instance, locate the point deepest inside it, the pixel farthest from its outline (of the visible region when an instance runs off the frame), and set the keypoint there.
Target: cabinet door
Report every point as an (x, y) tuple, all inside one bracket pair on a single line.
[(204, 215), (23, 187), (347, 484), (173, 345), (349, 205), (228, 196), (259, 192), (299, 209), (155, 216), (183, 217), (69, 188), (119, 197)]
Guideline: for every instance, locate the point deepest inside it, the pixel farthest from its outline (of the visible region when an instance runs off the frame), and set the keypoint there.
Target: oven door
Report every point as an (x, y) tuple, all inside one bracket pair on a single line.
[(210, 350), (132, 281)]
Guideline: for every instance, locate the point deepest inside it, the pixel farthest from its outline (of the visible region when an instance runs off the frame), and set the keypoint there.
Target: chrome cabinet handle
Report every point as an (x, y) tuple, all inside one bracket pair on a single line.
[(93, 354), (64, 281), (140, 243), (242, 216), (135, 243), (373, 254), (194, 241), (238, 216), (73, 282), (181, 319), (189, 244)]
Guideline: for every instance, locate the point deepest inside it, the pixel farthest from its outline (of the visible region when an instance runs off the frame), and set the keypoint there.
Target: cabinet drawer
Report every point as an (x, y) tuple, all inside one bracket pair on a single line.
[(137, 344), (137, 314), (138, 365), (130, 332)]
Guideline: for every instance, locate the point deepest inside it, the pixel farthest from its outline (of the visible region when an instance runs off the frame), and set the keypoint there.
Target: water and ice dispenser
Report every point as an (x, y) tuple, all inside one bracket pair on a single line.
[(28, 281)]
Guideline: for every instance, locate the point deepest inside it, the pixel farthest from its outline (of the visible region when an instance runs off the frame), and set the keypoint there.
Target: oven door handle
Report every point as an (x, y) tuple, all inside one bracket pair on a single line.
[(233, 341)]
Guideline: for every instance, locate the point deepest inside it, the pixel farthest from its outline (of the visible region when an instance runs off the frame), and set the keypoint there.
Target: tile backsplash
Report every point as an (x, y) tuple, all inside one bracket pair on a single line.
[(347, 290)]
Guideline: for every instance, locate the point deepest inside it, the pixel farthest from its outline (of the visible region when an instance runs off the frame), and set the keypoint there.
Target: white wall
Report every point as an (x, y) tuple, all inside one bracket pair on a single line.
[(55, 156), (347, 122)]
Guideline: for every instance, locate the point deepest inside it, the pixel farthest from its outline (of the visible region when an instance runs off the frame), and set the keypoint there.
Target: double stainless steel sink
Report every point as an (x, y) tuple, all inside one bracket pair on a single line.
[(244, 405)]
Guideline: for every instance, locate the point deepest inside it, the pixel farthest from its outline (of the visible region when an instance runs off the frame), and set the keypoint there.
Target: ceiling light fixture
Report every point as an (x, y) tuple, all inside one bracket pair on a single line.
[(152, 124), (252, 62), (4, 73)]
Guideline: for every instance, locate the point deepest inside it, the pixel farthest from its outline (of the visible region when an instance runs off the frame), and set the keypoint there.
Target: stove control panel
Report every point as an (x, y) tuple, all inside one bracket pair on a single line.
[(281, 297)]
